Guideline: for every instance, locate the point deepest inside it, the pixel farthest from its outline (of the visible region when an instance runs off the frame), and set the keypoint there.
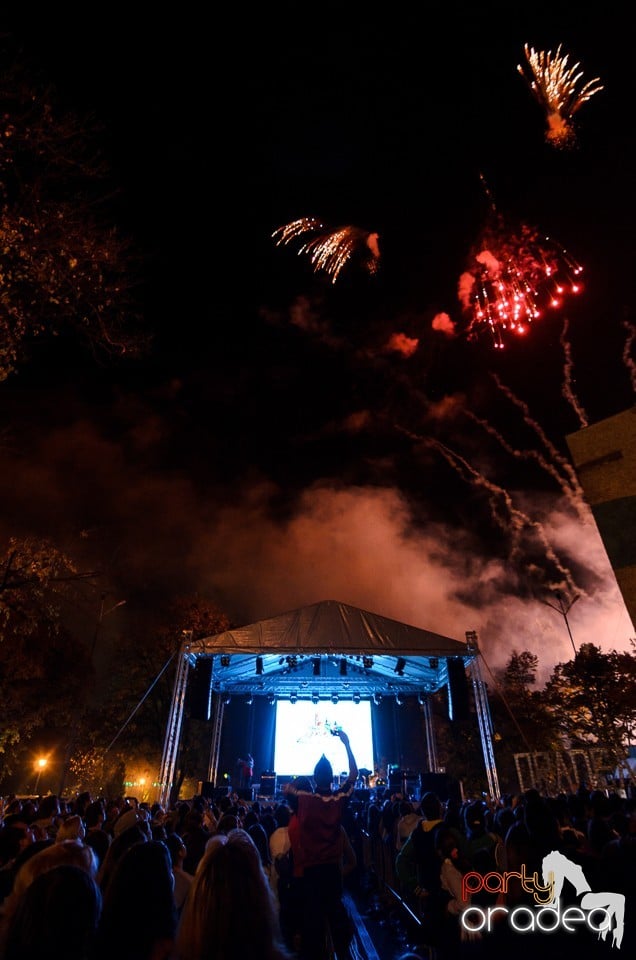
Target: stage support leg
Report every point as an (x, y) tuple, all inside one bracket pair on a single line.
[(173, 730)]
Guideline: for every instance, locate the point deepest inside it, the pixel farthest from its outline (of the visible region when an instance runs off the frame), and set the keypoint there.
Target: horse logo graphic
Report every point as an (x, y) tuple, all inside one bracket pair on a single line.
[(557, 869)]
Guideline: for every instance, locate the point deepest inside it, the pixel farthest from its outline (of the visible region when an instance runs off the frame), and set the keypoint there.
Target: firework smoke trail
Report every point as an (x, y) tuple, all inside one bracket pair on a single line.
[(558, 90), (535, 455), (491, 200), (627, 352), (567, 389), (332, 249), (511, 520), (570, 482)]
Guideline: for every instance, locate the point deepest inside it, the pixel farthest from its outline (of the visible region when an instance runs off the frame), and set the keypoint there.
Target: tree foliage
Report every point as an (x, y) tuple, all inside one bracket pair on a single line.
[(139, 696), (592, 698), (528, 724), (521, 720), (43, 666), (65, 269)]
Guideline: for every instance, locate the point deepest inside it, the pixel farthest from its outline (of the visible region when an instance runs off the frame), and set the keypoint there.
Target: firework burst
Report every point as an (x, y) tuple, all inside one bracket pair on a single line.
[(330, 250), (512, 279), (559, 90)]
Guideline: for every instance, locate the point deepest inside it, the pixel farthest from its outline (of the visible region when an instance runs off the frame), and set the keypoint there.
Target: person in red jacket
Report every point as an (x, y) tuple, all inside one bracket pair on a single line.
[(324, 916)]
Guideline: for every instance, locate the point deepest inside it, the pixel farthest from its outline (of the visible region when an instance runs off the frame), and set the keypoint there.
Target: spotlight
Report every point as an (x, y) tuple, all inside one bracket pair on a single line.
[(271, 699), (399, 666), (249, 700), (356, 697), (315, 698), (367, 662), (225, 659), (377, 699), (259, 666), (293, 697), (343, 668), (315, 665), (433, 663), (334, 698), (421, 699), (227, 699), (398, 700)]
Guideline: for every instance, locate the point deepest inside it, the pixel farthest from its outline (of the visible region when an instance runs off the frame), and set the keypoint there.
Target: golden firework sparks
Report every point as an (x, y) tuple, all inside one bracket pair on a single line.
[(558, 89), (331, 250), (296, 228)]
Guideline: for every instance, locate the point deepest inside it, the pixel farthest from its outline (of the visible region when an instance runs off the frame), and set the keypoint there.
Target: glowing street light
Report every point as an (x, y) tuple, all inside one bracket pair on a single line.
[(41, 764)]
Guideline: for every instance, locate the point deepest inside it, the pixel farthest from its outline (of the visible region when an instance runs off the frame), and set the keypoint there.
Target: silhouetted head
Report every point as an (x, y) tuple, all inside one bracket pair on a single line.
[(431, 806), (323, 774), (475, 817)]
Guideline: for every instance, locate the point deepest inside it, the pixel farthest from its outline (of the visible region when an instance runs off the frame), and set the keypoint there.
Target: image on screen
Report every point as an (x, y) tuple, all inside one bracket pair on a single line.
[(303, 734)]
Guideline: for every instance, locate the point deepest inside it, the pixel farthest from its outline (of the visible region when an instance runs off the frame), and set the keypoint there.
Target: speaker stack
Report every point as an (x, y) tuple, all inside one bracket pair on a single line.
[(444, 786), (200, 689), (268, 783)]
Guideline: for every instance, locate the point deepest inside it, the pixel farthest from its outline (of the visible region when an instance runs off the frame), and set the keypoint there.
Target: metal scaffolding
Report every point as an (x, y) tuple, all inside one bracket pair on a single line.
[(274, 673), (431, 741), (173, 730), (483, 715), (218, 709)]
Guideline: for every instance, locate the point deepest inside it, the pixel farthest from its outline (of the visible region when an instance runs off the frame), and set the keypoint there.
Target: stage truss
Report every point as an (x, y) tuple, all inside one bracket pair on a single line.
[(351, 671)]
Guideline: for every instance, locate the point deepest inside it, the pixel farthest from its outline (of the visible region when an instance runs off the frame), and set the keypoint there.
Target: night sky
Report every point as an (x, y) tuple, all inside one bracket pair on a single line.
[(265, 451)]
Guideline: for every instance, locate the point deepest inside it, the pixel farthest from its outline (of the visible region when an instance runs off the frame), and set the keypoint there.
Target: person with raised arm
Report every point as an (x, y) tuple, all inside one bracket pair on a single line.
[(320, 812)]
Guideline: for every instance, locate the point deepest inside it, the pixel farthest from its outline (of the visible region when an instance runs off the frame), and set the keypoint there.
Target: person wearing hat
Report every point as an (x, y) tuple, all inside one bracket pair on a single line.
[(320, 813), (127, 818)]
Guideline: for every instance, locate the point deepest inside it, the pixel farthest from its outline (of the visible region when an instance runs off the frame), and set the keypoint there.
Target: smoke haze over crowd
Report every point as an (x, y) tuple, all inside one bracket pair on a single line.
[(287, 439)]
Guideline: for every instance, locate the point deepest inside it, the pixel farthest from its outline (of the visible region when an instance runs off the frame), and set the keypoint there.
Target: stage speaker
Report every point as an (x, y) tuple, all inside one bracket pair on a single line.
[(404, 781), (206, 789), (442, 785), (200, 689), (395, 780), (458, 706), (413, 785), (245, 793), (268, 783)]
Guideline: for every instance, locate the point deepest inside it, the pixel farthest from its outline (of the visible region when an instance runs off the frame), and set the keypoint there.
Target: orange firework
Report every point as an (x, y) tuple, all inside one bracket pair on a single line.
[(512, 279), (558, 89), (330, 250)]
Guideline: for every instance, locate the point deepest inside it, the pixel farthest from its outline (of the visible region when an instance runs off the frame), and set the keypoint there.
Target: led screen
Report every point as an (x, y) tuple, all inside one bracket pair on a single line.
[(303, 734)]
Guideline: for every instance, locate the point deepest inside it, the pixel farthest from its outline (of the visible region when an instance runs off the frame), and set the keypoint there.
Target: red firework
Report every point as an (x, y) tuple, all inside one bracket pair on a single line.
[(512, 280)]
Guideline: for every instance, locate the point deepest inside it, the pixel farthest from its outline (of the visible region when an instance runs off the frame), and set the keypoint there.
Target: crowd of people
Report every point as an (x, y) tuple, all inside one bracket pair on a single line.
[(92, 878)]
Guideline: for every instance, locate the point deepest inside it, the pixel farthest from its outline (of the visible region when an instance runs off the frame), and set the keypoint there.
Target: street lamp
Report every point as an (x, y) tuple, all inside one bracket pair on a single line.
[(41, 764), (103, 613), (564, 609)]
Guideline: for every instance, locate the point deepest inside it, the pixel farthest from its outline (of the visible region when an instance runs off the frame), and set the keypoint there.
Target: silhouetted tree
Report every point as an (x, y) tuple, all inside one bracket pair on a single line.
[(66, 268), (43, 664), (129, 722), (592, 698)]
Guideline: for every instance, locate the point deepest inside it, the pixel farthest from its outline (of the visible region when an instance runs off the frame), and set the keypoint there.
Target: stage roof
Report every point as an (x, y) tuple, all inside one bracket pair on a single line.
[(329, 648)]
